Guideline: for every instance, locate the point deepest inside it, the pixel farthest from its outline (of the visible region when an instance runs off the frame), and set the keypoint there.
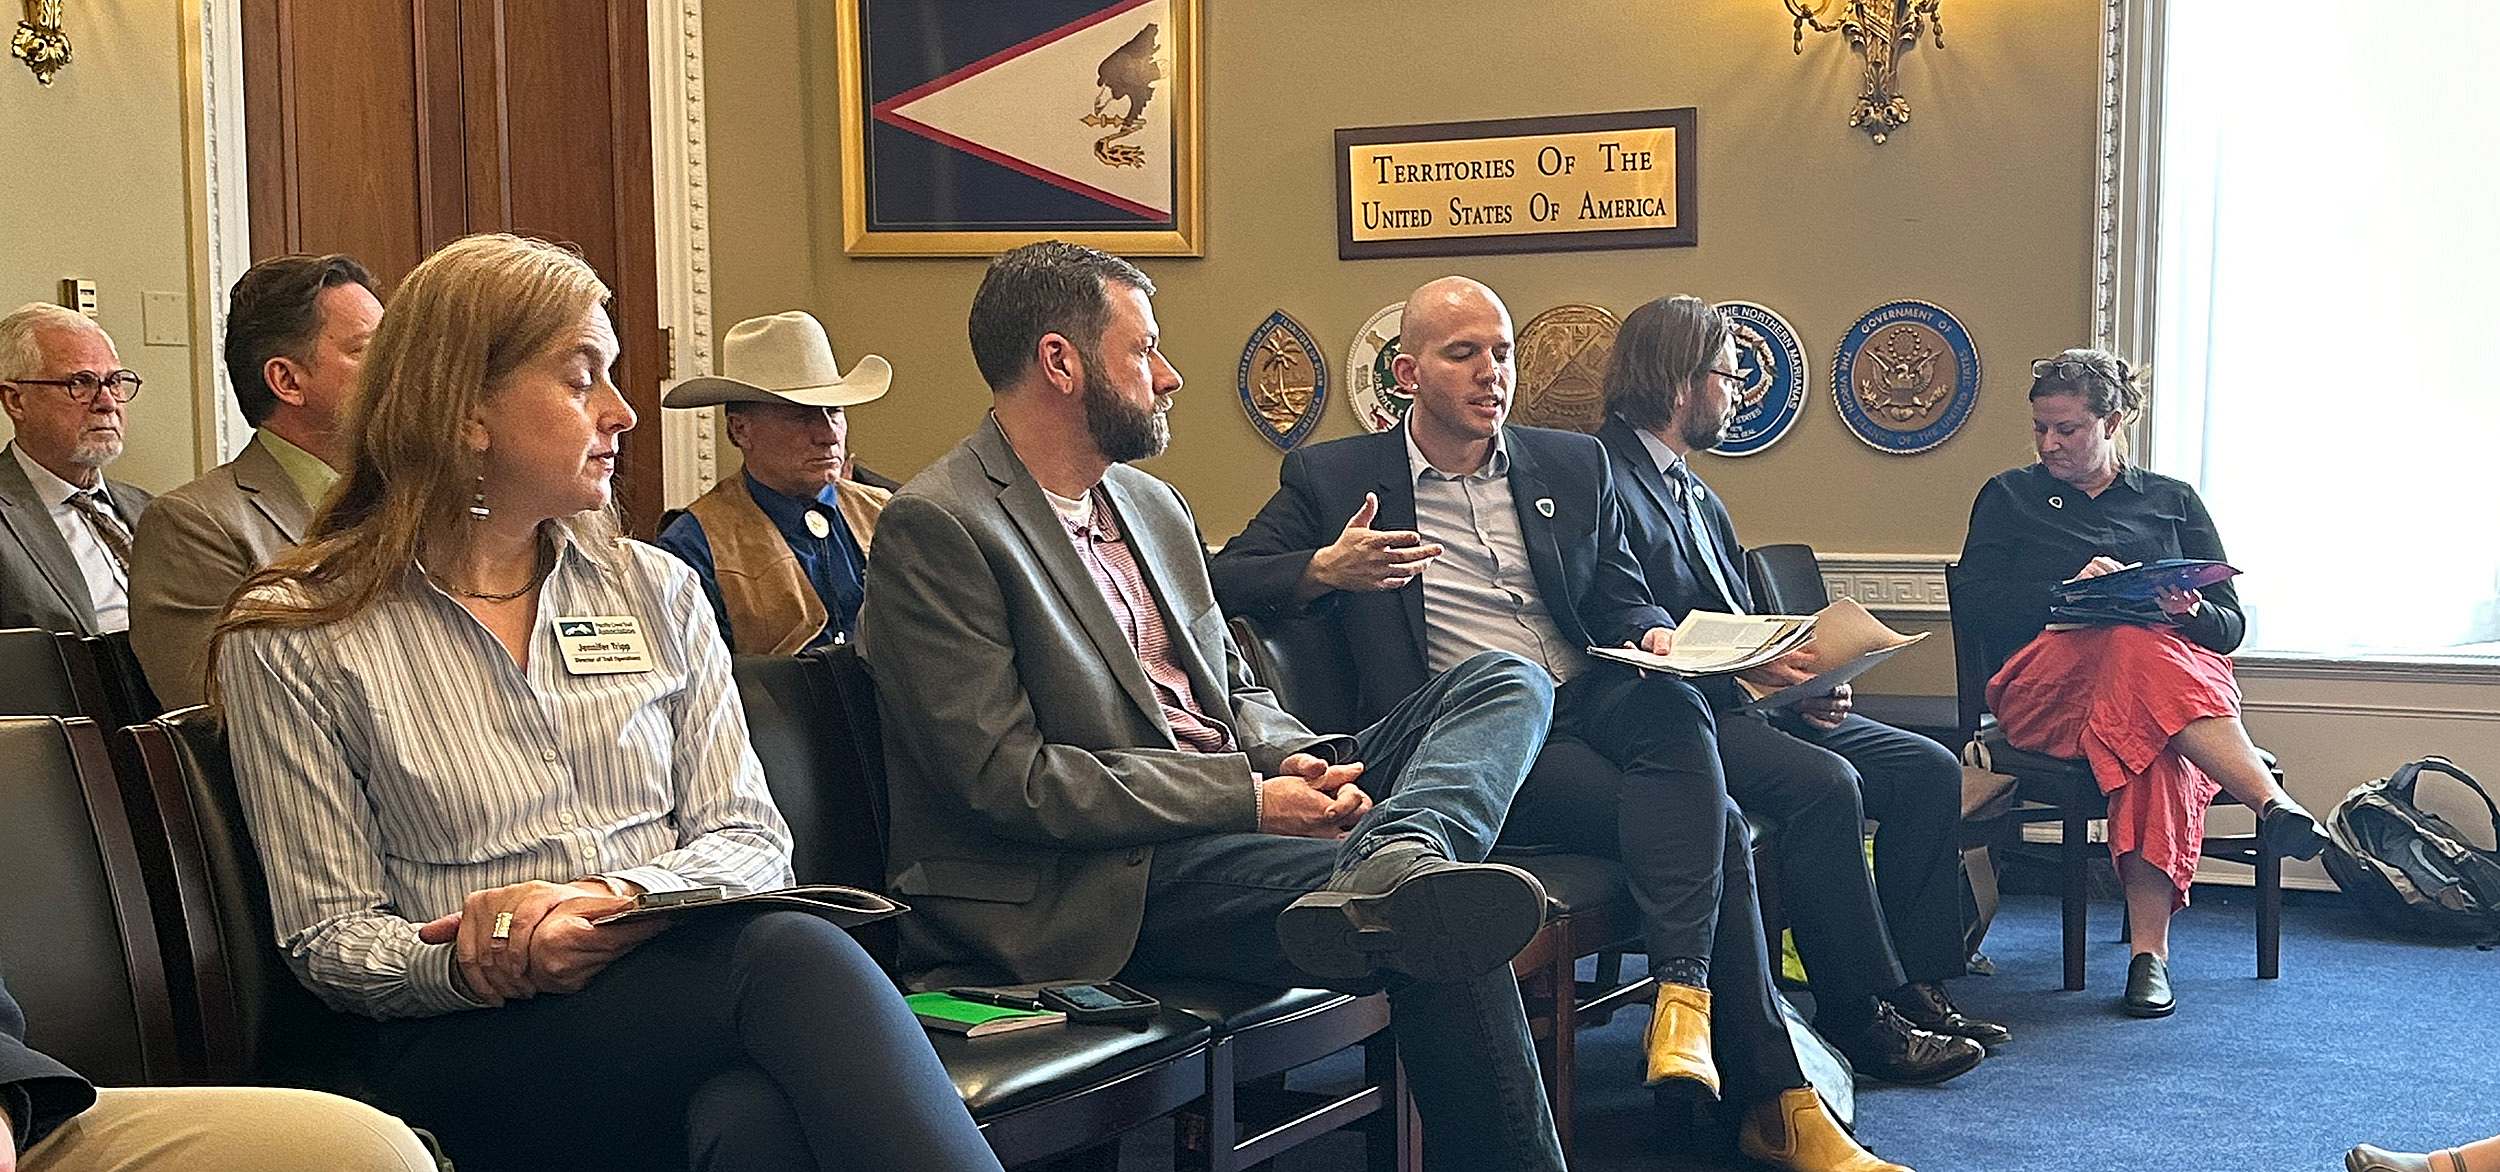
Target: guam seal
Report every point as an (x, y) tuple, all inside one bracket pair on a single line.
[(1773, 393), (1906, 377), (1370, 387), (1562, 355), (1283, 381)]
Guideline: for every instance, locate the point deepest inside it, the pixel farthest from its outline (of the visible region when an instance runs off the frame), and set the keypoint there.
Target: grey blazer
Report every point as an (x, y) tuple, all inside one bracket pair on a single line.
[(196, 544), (1029, 768), (40, 584)]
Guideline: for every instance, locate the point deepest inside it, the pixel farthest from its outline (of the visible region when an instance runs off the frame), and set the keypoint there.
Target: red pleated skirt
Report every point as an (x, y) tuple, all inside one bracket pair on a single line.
[(2114, 696)]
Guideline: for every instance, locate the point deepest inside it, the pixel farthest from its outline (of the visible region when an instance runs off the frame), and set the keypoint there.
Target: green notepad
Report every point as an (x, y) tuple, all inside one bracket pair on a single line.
[(972, 1019)]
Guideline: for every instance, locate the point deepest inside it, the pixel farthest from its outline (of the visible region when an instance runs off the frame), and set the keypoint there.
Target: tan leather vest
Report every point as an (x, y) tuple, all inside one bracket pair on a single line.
[(773, 608)]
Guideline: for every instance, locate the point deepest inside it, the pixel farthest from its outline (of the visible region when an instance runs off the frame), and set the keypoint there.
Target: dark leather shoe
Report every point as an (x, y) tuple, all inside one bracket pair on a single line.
[(1893, 1050), (1408, 909), (1923, 1004), (2291, 830), (2364, 1158), (2148, 987)]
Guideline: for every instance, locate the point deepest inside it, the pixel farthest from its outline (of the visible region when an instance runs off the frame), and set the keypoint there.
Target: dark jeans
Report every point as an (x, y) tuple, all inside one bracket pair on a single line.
[(1443, 766), (1821, 786), (1652, 797), (769, 1040)]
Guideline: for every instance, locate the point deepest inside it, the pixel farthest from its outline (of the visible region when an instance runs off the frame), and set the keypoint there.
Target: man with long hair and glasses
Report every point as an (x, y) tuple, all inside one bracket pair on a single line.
[(64, 528)]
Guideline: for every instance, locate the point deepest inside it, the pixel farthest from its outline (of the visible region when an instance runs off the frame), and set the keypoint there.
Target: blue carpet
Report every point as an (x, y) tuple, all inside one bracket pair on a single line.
[(2365, 1037)]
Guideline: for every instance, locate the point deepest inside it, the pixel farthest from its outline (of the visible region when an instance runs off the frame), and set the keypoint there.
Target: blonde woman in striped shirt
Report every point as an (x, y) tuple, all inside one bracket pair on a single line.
[(444, 796)]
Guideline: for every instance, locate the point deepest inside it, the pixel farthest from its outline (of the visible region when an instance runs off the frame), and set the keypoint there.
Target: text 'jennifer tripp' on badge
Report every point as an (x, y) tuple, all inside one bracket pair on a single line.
[(595, 645), (1579, 181)]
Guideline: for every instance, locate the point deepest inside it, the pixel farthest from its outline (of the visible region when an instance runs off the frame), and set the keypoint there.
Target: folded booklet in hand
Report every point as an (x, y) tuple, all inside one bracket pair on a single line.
[(1708, 643), (1848, 643), (847, 907)]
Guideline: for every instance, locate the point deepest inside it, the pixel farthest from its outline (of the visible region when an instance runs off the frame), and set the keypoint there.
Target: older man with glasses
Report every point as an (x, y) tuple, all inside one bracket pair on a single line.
[(64, 528)]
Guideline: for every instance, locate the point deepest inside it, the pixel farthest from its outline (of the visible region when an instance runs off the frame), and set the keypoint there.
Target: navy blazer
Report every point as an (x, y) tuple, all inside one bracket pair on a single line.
[(1584, 569), (38, 1093), (1662, 536)]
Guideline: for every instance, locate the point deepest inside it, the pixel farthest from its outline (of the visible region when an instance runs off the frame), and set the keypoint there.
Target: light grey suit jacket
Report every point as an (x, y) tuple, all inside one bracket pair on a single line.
[(196, 545), (1029, 768), (40, 583)]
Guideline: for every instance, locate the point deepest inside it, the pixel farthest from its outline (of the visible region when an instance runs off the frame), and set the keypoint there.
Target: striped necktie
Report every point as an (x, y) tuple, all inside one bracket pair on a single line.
[(1689, 488), (108, 528)]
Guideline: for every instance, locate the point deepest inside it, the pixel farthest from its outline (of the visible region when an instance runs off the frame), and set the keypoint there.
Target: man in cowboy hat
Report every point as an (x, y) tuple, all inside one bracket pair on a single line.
[(782, 548)]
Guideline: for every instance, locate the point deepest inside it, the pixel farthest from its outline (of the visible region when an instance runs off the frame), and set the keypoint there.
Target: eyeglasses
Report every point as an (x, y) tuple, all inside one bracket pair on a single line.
[(1729, 375), (123, 385), (2071, 370)]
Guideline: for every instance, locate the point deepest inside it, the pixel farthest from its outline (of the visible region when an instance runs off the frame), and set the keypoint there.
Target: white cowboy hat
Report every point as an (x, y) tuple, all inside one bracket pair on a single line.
[(783, 358)]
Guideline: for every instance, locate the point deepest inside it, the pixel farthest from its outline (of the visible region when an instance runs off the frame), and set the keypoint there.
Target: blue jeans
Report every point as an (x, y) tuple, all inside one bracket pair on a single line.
[(1442, 767)]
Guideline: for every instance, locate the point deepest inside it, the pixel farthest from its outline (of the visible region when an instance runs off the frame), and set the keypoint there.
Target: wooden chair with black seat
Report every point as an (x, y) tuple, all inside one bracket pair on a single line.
[(2062, 790), (1591, 912), (78, 938), (1049, 1093), (52, 673), (1788, 579), (251, 1022)]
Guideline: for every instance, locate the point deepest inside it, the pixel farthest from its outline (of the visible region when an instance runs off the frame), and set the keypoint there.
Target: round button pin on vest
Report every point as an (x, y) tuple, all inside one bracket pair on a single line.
[(817, 524)]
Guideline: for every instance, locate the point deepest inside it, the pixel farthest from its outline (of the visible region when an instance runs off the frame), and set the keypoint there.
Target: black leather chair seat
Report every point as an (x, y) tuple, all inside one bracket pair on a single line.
[(1572, 882), (1005, 1072), (1230, 1007)]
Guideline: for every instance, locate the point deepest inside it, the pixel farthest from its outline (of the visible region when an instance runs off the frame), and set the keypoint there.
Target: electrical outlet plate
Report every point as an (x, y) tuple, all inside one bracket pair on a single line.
[(78, 293), (167, 319)]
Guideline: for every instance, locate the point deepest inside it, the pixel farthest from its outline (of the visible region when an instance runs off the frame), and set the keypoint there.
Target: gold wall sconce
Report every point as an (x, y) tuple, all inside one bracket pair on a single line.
[(1880, 30), (39, 42)]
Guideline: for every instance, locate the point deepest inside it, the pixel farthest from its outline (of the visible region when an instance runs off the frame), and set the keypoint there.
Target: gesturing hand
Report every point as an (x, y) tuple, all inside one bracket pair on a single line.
[(1312, 799), (1366, 559)]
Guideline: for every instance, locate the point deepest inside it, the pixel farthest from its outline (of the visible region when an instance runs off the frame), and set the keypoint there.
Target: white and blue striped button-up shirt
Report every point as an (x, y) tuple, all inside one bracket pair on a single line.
[(392, 763)]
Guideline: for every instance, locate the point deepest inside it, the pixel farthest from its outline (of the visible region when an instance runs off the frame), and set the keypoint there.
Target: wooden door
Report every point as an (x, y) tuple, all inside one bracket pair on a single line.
[(388, 128)]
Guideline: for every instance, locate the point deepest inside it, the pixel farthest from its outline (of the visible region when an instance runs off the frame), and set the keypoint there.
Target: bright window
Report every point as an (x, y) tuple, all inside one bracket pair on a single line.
[(2326, 365)]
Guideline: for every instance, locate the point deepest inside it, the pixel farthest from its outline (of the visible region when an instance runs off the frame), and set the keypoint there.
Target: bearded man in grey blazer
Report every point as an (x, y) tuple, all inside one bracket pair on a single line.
[(296, 329), (1086, 783), (64, 528)]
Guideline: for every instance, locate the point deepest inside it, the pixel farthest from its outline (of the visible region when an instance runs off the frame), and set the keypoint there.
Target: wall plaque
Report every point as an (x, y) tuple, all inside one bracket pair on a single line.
[(1559, 184)]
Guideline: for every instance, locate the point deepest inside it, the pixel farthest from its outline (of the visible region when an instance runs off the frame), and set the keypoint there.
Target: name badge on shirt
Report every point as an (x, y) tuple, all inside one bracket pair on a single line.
[(598, 645)]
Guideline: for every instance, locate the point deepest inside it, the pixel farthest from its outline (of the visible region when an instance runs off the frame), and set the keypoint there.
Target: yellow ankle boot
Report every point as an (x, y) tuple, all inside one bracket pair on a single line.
[(1678, 1043), (1795, 1132)]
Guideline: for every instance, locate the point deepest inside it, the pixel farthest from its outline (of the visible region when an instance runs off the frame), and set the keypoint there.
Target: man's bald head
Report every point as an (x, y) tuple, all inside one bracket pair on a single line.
[(1438, 306)]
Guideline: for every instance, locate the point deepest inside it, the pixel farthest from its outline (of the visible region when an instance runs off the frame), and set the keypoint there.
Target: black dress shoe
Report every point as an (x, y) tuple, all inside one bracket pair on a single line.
[(1892, 1050), (2291, 830), (1923, 1004), (1408, 909), (2148, 987)]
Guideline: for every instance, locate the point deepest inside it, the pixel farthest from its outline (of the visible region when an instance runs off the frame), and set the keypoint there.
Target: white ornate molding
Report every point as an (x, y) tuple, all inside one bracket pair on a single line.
[(1906, 584), (2127, 186), (682, 196), (221, 229)]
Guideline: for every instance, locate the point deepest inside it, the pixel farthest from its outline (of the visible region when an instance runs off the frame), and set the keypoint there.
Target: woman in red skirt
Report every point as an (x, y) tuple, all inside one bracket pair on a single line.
[(2153, 709)]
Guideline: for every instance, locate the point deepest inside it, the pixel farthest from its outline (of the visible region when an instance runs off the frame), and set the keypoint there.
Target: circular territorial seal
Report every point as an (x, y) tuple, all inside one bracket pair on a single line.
[(1772, 394), (1282, 380), (1370, 387), (1562, 355), (1906, 377)]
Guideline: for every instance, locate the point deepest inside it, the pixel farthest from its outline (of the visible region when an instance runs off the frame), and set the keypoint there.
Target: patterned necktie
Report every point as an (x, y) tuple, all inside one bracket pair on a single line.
[(1689, 487), (108, 528)]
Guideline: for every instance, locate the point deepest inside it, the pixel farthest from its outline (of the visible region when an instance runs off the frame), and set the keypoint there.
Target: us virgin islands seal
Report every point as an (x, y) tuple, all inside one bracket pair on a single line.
[(1370, 387), (1283, 381), (1772, 394), (1562, 355), (1906, 377)]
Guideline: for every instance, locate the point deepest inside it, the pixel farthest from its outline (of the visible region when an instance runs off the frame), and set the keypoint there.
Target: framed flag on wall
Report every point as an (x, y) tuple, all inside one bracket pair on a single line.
[(969, 129)]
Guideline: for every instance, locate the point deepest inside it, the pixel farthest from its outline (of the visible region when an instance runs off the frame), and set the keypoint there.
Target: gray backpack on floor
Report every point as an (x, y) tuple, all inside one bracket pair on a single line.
[(2407, 865)]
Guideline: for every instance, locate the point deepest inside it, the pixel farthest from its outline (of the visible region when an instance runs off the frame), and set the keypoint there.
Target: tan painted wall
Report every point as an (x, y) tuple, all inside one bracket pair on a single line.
[(1982, 205), (96, 190)]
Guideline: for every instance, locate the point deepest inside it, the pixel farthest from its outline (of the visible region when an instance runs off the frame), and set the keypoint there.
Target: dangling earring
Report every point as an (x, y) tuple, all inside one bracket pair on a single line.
[(477, 501)]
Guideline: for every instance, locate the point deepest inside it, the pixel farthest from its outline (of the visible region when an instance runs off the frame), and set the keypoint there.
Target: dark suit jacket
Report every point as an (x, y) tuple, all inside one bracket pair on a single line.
[(1030, 771), (40, 585), (38, 1093), (1662, 537), (1585, 572)]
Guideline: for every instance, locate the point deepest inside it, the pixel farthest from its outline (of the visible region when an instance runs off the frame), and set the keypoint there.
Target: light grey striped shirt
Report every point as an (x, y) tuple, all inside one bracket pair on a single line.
[(1481, 593), (394, 762)]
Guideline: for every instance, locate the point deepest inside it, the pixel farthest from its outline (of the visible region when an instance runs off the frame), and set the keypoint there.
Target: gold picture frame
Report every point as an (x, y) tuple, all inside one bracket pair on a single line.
[(915, 183)]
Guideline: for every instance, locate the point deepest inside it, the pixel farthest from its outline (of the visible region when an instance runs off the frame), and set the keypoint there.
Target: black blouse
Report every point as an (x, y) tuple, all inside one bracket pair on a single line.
[(2030, 531)]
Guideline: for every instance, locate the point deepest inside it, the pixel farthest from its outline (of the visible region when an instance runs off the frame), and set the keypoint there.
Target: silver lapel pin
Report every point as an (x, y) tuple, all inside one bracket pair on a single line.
[(1545, 506)]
